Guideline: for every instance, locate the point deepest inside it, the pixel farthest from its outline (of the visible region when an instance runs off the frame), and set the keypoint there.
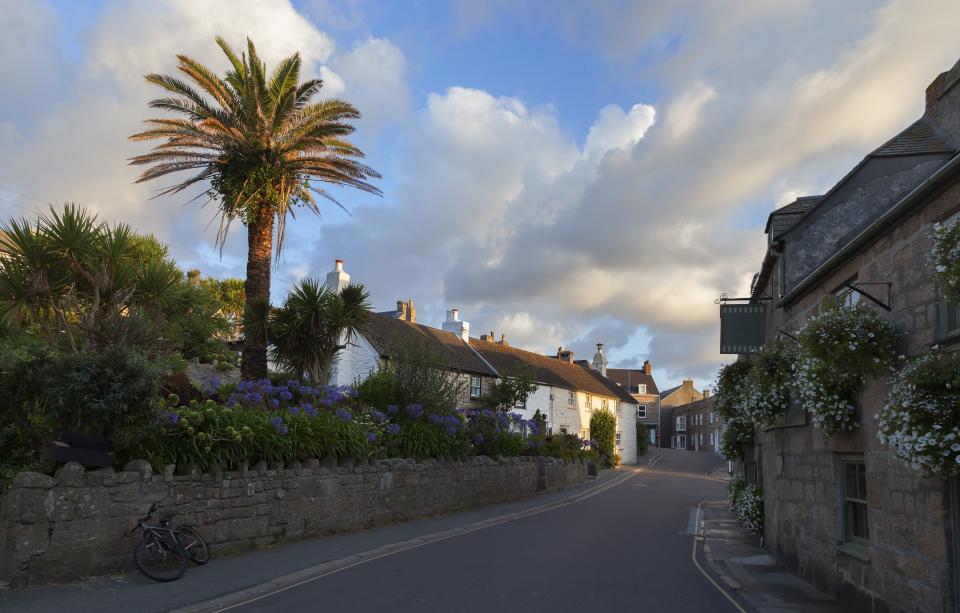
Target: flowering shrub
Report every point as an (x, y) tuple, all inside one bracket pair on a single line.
[(945, 257), (921, 420), (766, 389), (840, 348), (496, 433), (746, 500), (731, 383), (737, 429)]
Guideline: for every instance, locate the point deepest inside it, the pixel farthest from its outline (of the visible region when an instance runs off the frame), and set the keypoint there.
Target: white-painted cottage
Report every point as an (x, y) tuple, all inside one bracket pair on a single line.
[(567, 393)]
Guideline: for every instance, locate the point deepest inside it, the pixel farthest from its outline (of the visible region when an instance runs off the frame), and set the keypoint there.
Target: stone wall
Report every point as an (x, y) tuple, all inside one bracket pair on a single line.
[(910, 561), (76, 523)]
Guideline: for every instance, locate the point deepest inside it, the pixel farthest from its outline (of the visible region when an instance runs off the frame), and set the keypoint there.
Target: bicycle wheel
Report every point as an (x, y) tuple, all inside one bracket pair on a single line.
[(193, 544), (160, 557)]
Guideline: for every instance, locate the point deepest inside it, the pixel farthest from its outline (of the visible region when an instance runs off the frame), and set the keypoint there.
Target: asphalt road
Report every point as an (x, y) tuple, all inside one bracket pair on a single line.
[(625, 549)]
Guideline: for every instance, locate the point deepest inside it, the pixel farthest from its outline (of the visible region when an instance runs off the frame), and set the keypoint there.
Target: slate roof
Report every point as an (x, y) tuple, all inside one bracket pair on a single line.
[(787, 216), (918, 139), (949, 79), (549, 370), (635, 377), (666, 393), (390, 335)]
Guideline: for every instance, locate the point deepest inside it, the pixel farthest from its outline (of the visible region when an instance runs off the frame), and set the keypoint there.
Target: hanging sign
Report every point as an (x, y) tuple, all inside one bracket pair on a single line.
[(743, 327)]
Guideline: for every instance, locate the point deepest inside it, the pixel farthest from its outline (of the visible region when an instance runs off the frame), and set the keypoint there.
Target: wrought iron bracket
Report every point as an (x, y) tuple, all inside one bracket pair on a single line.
[(883, 305), (787, 334)]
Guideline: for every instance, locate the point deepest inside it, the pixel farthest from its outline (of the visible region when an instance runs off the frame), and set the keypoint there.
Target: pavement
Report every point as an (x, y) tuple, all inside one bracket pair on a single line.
[(637, 538), (744, 570)]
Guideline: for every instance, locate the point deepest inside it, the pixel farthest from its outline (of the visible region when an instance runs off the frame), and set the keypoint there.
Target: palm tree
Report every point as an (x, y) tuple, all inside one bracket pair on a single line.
[(313, 325), (260, 143)]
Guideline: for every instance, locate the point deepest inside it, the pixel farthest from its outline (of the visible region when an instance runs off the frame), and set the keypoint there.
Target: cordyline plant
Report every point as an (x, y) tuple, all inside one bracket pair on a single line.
[(260, 144)]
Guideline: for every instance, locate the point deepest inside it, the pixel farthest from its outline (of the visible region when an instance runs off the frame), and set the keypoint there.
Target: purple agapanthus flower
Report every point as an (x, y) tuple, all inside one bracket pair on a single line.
[(285, 394), (377, 416), (392, 409), (451, 429), (433, 418), (393, 429), (415, 410), (371, 436), (343, 414), (174, 418), (294, 410), (274, 403)]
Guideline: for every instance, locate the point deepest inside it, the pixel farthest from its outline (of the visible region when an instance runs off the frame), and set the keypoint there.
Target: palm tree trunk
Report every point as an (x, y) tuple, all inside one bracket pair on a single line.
[(253, 364)]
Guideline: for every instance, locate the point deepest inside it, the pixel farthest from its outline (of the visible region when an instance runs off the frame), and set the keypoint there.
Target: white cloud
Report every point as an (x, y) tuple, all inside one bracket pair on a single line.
[(376, 81), (615, 129), (684, 112)]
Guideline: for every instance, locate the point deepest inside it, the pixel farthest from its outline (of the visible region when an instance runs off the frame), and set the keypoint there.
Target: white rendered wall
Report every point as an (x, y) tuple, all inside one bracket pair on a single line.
[(356, 361), (627, 426)]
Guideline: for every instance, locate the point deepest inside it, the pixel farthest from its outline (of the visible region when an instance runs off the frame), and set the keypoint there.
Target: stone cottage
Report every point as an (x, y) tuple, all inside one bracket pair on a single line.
[(640, 385), (844, 512)]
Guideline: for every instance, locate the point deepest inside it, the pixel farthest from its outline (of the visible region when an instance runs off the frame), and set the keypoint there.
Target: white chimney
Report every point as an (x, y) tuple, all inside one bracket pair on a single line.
[(337, 279), (600, 360), (456, 326)]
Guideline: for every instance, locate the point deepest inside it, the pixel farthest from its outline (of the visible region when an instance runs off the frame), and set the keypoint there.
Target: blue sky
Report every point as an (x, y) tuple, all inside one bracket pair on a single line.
[(565, 173)]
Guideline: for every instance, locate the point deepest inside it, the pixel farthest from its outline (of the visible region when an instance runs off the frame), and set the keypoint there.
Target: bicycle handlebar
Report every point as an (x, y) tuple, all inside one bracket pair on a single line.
[(153, 509)]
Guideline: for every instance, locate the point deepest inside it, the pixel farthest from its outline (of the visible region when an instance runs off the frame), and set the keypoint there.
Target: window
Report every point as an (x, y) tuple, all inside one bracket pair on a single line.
[(589, 402), (619, 446), (571, 399), (603, 403), (713, 438), (585, 435), (563, 429), (681, 441), (682, 423), (711, 417), (475, 387), (641, 411), (948, 321), (853, 484), (642, 388), (846, 296)]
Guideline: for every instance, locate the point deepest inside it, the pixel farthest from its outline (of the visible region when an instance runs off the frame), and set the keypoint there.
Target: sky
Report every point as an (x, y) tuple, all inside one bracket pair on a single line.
[(564, 173)]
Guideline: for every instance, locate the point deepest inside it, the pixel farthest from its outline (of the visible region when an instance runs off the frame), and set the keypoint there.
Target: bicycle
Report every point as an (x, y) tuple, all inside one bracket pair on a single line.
[(163, 551)]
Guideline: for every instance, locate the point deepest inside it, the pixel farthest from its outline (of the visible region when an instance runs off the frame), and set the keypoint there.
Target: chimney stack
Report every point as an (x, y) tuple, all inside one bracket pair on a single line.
[(455, 326), (647, 367), (406, 311), (503, 340), (565, 355), (337, 279), (600, 360)]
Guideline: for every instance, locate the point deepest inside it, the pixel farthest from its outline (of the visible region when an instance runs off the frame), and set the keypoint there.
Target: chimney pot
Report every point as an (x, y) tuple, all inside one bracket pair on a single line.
[(647, 367)]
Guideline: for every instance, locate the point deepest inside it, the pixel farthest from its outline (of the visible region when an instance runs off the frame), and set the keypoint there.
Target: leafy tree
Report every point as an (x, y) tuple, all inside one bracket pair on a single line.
[(84, 284), (603, 432), (642, 441), (513, 388), (313, 325), (260, 144)]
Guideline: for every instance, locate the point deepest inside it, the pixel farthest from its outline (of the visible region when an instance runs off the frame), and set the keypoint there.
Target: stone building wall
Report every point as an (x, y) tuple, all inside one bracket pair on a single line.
[(76, 524), (910, 562)]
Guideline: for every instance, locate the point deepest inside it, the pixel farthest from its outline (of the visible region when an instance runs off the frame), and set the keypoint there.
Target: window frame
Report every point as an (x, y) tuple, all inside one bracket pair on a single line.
[(618, 440), (588, 402), (571, 399), (847, 541), (681, 423), (642, 388), (604, 403), (479, 387), (641, 407)]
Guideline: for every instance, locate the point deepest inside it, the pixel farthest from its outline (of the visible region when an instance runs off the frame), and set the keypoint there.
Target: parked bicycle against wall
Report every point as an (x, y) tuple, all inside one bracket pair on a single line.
[(163, 551)]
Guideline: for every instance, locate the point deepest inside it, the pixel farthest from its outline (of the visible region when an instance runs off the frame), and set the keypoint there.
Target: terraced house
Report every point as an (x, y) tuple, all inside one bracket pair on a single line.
[(844, 511), (567, 392)]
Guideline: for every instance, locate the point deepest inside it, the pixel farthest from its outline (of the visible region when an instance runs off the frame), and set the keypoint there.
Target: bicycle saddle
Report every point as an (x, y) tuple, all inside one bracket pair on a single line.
[(167, 516)]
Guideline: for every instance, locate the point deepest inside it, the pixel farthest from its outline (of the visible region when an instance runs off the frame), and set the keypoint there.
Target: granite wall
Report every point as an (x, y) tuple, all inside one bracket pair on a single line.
[(76, 523)]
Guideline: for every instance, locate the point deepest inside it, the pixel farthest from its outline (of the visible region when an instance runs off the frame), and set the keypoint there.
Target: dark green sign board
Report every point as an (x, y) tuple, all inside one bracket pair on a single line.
[(743, 327)]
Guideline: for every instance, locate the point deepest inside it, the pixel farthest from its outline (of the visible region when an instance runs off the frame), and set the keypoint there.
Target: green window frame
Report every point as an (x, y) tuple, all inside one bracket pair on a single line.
[(854, 514)]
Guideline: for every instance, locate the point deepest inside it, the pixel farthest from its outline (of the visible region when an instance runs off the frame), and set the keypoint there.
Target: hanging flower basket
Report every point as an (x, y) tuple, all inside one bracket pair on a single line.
[(921, 421), (730, 386), (736, 431), (840, 348), (766, 390), (945, 258)]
